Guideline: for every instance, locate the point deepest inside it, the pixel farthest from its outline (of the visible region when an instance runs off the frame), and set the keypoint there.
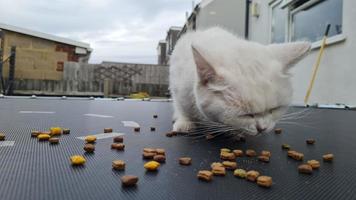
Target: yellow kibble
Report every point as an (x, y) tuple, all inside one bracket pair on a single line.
[(151, 166), (77, 160), (90, 138), (43, 136), (56, 130)]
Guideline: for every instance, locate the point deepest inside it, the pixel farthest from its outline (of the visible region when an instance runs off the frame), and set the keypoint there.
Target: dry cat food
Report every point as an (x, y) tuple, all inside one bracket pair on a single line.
[(295, 155), (250, 153), (230, 165), (225, 150), (35, 133), (2, 136), (286, 146), (205, 175), (153, 128), (216, 164), (118, 164), (241, 173), (118, 139), (43, 137), (252, 175), (53, 140), (118, 146), (151, 165), (159, 158), (147, 155), (56, 131), (305, 169), (218, 171), (77, 160), (263, 158), (137, 129), (328, 157), (266, 153), (90, 148), (107, 130), (129, 180), (278, 130), (66, 131), (310, 141), (314, 164), (227, 156), (264, 181), (90, 139), (185, 161), (238, 152), (155, 116), (160, 151)]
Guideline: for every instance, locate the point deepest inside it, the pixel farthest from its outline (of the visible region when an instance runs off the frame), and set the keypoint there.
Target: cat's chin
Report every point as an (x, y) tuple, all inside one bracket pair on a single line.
[(182, 126)]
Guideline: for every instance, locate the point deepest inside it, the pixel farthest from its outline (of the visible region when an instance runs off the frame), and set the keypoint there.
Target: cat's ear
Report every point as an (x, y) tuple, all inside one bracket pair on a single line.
[(205, 71), (289, 53)]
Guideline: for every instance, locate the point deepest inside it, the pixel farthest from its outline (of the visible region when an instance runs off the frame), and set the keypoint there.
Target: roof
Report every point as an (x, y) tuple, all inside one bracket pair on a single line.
[(45, 36)]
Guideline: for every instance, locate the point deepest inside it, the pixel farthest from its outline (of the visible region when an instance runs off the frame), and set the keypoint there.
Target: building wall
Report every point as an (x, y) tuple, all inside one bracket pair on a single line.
[(335, 82), (37, 58)]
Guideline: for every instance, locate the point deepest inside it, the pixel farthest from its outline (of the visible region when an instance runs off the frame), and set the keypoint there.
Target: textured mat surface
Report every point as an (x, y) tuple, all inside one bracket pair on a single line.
[(37, 170)]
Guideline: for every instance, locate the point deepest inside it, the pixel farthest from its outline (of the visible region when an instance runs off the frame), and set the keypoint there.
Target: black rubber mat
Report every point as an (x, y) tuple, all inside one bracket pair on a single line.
[(38, 170)]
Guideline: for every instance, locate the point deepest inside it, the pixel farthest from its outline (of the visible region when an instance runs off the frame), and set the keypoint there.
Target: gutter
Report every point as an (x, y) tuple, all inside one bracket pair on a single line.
[(247, 18)]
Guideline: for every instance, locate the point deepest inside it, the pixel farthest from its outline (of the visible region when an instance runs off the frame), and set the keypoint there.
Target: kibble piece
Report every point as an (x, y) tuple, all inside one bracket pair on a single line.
[(230, 165), (169, 134), (219, 171), (250, 153), (266, 153), (118, 164), (305, 169), (264, 181), (137, 129), (160, 151), (56, 131), (285, 146), (129, 180), (328, 157), (77, 160), (263, 158), (66, 131), (241, 173), (35, 133), (90, 139), (155, 116), (205, 175), (314, 164), (153, 128), (2, 136), (118, 146), (252, 175), (53, 140), (118, 139), (310, 141), (43, 137), (149, 150), (278, 131), (107, 130), (159, 158), (147, 155), (225, 150), (90, 148), (185, 161), (216, 164), (151, 165), (238, 152), (295, 155), (227, 156)]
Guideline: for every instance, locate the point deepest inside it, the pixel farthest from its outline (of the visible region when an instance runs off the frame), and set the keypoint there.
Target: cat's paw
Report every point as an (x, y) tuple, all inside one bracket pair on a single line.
[(182, 126)]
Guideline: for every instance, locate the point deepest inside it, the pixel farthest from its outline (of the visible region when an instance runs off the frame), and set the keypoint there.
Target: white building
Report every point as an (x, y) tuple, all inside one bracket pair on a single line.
[(276, 21)]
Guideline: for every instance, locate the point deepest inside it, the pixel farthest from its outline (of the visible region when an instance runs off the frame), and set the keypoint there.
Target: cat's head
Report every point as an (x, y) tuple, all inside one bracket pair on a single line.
[(248, 89)]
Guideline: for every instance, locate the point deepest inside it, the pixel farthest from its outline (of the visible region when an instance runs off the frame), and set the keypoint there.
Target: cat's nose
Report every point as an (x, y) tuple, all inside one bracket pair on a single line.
[(260, 129)]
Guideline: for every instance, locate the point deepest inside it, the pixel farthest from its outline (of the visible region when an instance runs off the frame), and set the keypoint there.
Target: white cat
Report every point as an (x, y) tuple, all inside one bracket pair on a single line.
[(217, 77)]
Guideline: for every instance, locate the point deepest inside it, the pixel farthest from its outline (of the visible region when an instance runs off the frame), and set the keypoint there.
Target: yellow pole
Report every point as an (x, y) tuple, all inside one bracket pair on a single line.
[(316, 66)]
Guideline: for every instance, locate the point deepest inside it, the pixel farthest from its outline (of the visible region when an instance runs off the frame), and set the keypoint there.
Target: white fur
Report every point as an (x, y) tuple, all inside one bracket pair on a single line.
[(253, 79)]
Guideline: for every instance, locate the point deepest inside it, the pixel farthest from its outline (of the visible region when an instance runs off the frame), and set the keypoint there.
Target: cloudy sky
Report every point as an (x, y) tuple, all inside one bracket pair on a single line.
[(117, 30)]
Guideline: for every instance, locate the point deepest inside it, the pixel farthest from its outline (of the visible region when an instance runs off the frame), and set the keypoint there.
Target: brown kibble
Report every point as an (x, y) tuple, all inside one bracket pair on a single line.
[(216, 164), (159, 158), (266, 153), (238, 152), (149, 150), (147, 155), (218, 171), (250, 153), (118, 146), (90, 148), (252, 175), (227, 156), (2, 136), (264, 181), (35, 133), (53, 140), (328, 157), (285, 146), (230, 165), (137, 129), (185, 161), (118, 139), (305, 169), (295, 155), (263, 158), (205, 175), (310, 141), (153, 128), (118, 164), (129, 180), (160, 151), (65, 131), (225, 150), (107, 130), (314, 164), (278, 131)]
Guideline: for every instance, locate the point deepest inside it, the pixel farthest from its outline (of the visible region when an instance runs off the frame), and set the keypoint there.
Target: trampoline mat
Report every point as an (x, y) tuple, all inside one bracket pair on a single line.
[(37, 170)]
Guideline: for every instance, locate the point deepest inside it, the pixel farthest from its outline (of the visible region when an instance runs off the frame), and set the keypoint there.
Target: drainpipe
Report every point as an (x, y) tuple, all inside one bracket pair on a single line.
[(247, 18)]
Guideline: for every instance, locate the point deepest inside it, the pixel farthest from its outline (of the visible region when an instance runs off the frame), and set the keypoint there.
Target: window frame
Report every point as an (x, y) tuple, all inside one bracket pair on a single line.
[(272, 5)]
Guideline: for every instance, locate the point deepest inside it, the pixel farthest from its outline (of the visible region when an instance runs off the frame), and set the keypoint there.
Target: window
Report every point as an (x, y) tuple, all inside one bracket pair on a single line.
[(278, 23), (310, 18)]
